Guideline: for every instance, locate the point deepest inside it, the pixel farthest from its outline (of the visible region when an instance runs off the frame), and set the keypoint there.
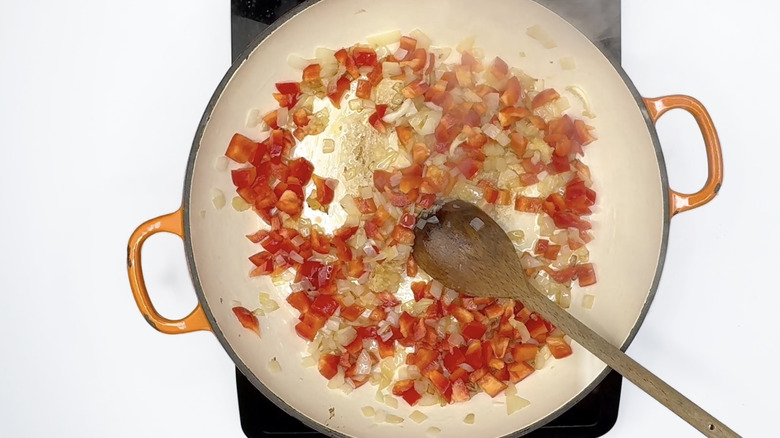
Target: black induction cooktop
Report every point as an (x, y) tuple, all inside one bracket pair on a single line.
[(595, 414)]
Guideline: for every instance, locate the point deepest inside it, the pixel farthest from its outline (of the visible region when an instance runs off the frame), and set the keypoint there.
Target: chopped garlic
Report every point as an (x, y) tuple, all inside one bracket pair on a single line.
[(469, 419), (391, 401), (434, 431), (368, 411)]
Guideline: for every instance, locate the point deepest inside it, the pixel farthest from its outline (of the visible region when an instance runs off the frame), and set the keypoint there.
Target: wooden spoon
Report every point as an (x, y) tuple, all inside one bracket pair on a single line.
[(466, 250)]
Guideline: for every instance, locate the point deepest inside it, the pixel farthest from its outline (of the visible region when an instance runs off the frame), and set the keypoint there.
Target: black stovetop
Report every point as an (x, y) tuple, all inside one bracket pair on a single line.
[(595, 414)]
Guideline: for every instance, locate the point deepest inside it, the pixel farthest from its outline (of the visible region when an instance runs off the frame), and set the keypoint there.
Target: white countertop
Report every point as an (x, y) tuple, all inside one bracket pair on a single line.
[(99, 102)]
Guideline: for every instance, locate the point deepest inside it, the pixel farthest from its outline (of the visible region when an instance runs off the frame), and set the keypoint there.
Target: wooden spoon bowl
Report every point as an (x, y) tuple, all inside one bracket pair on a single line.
[(466, 250)]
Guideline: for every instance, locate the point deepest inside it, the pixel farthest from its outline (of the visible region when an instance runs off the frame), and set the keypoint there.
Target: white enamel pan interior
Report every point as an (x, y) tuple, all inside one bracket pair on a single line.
[(630, 220)]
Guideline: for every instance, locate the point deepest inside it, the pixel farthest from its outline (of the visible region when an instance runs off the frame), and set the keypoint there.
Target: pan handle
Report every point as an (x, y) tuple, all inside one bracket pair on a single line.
[(170, 223), (656, 107)]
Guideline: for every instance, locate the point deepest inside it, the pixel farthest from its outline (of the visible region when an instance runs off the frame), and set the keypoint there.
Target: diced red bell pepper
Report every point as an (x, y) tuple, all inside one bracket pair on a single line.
[(586, 275), (324, 305), (459, 391), (342, 86), (240, 148), (325, 189), (536, 327), (544, 97), (558, 347), (364, 56), (511, 93), (302, 169), (300, 301), (519, 371), (473, 330), (247, 319), (524, 352), (328, 365), (473, 355), (352, 312), (318, 274), (312, 73), (491, 385), (453, 358)]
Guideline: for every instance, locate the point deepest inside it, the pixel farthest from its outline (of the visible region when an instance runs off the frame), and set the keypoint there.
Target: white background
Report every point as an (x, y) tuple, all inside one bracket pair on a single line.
[(99, 102)]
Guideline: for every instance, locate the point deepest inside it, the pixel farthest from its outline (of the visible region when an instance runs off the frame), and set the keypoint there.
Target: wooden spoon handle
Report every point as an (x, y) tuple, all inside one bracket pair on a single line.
[(629, 368)]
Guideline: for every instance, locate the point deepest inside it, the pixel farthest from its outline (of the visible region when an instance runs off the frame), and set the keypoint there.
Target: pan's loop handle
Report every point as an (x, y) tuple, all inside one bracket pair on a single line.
[(680, 202), (169, 223)]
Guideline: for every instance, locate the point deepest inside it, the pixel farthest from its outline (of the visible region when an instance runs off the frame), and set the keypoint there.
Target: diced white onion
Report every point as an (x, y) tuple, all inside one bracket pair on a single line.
[(217, 199), (400, 112), (297, 258), (332, 325), (356, 104), (568, 63), (308, 361), (491, 130), (417, 416), (298, 62), (393, 419), (338, 380), (433, 106), (423, 40), (477, 223), (221, 163), (466, 367), (538, 33), (502, 138), (391, 69), (328, 145), (436, 289), (384, 39), (441, 53), (363, 364), (587, 301), (449, 296), (273, 366), (467, 44), (580, 94), (546, 225), (515, 403), (491, 101), (239, 204), (346, 335), (400, 54)]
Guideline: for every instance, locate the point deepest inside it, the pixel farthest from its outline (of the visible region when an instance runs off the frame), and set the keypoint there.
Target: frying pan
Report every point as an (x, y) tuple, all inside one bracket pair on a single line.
[(631, 221)]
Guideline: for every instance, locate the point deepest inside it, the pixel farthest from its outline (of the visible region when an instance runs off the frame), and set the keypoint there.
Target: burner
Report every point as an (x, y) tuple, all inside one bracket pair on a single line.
[(595, 414)]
